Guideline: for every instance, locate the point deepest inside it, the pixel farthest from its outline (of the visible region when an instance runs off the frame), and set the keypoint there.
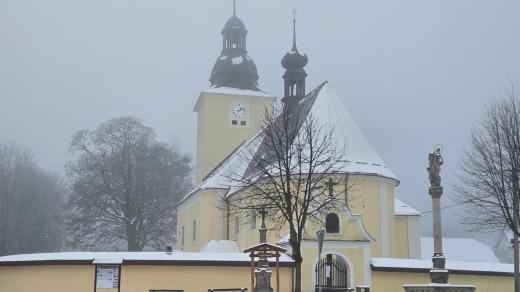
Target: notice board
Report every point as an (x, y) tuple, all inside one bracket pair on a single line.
[(107, 276)]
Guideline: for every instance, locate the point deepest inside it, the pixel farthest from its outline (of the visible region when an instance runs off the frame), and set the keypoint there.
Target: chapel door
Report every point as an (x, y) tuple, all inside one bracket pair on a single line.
[(332, 273)]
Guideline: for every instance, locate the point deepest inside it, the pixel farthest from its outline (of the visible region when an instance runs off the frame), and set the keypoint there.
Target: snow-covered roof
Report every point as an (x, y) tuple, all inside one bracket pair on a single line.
[(462, 267), (402, 209), (232, 91), (236, 91), (361, 156), (122, 257), (221, 246), (459, 249), (325, 106), (234, 165)]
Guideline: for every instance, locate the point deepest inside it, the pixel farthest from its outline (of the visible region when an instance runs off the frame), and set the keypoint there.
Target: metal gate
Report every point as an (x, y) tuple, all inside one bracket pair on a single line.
[(332, 273)]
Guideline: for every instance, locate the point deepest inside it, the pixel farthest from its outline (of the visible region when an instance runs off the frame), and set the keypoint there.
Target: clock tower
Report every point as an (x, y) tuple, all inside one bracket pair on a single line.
[(231, 110)]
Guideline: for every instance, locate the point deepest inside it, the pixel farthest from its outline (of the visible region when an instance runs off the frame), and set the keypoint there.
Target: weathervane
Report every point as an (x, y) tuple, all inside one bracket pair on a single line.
[(294, 30)]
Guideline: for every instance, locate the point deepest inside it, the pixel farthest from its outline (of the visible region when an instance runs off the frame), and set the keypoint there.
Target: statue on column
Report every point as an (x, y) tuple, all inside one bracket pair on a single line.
[(438, 274), (435, 161)]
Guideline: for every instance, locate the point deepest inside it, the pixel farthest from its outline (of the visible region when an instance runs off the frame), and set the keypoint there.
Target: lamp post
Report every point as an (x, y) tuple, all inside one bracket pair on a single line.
[(320, 235)]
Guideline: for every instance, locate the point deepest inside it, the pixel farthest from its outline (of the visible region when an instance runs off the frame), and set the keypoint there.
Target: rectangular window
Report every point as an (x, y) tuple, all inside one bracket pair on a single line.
[(194, 230), (242, 123), (234, 122)]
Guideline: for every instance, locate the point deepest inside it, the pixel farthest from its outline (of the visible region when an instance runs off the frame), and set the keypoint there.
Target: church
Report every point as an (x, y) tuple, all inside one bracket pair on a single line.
[(372, 242), (229, 117), (360, 238)]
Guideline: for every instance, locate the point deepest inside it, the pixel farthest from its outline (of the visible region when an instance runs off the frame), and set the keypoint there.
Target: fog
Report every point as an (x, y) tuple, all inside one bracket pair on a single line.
[(412, 73)]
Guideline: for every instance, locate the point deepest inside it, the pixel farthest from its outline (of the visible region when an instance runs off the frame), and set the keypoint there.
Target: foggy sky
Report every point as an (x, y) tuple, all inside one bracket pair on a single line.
[(412, 73)]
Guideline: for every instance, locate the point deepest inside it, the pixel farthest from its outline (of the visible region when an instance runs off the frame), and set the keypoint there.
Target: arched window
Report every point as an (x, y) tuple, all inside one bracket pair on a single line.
[(332, 223)]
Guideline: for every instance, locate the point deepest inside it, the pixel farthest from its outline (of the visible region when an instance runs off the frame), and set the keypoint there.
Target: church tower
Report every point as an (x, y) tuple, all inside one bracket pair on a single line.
[(294, 76), (231, 110)]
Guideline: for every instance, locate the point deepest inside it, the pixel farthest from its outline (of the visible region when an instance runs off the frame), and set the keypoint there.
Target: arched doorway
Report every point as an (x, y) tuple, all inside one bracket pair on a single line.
[(332, 273)]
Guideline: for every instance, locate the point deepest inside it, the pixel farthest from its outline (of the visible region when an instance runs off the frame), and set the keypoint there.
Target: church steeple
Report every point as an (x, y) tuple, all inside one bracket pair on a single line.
[(234, 68), (294, 76)]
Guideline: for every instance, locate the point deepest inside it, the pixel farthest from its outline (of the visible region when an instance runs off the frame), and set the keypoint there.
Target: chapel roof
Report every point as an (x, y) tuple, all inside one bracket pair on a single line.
[(325, 106), (402, 209)]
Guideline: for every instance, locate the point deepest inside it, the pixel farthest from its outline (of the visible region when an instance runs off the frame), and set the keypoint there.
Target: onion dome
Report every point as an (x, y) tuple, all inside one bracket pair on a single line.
[(294, 60), (234, 68), (234, 22), (294, 76)]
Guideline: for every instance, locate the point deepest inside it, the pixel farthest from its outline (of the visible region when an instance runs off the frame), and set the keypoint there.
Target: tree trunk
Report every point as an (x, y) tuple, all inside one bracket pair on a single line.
[(131, 238), (298, 276), (515, 242), (297, 256)]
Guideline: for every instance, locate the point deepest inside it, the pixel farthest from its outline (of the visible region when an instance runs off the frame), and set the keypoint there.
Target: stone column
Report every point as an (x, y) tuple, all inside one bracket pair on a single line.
[(438, 274)]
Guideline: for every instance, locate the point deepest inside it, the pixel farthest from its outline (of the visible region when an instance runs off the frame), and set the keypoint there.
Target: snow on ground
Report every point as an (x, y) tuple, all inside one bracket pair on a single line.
[(459, 249), (450, 265)]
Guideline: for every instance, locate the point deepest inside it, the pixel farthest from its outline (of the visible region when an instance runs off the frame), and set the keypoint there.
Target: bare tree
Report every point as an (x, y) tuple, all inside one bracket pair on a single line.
[(125, 186), (490, 173), (31, 204), (290, 174)]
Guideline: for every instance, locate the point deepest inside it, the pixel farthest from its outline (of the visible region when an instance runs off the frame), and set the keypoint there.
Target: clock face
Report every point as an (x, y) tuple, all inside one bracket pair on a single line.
[(239, 111)]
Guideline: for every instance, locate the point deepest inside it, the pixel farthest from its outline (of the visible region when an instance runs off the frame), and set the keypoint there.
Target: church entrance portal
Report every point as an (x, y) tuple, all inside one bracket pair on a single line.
[(332, 273)]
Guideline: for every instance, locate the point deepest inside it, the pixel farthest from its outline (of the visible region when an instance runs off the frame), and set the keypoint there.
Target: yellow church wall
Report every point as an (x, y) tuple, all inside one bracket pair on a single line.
[(401, 246), (211, 216), (48, 278), (189, 213), (181, 223), (348, 230), (373, 199), (216, 137), (394, 281), (390, 218), (205, 208), (365, 194)]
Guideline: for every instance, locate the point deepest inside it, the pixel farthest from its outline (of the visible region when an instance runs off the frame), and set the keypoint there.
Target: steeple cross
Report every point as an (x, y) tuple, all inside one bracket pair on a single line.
[(263, 212), (330, 184)]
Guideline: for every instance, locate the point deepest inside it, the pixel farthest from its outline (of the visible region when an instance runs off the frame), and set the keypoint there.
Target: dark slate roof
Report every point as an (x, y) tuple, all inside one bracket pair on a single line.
[(300, 112), (235, 70)]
